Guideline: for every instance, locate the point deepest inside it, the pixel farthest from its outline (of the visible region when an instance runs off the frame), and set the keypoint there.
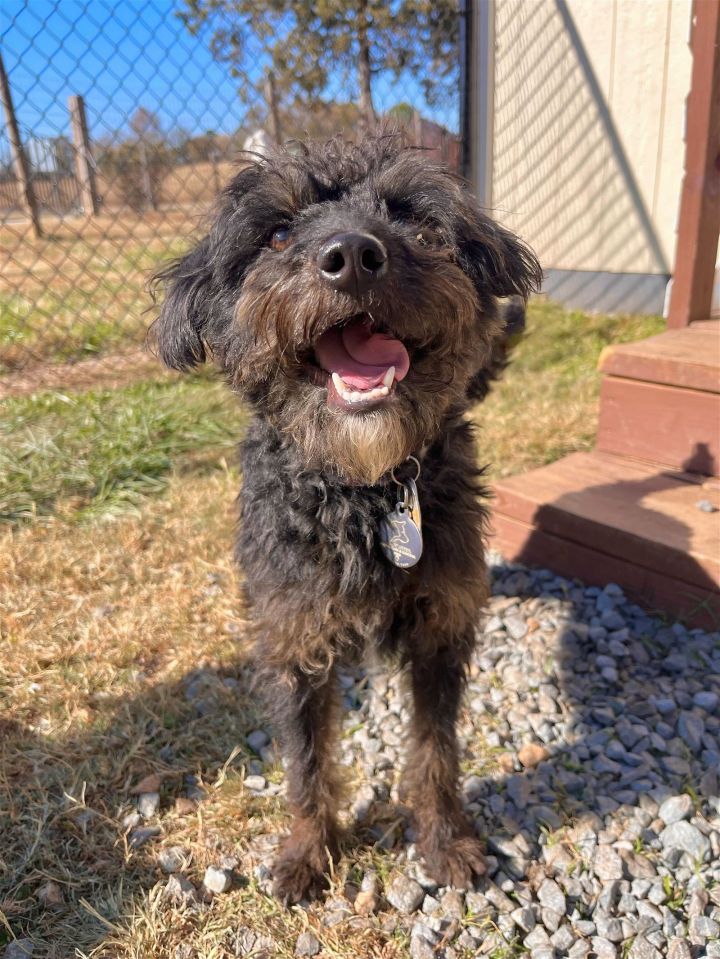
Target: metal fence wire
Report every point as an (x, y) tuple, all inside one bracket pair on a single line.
[(123, 120)]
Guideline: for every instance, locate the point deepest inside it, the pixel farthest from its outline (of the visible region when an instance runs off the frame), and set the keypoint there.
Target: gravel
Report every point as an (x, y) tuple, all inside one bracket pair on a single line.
[(591, 748), (19, 949), (307, 945), (217, 880), (405, 894)]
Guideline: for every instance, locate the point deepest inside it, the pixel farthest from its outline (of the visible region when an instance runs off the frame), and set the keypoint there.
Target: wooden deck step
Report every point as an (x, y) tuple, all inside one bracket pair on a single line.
[(605, 519), (660, 399), (688, 358)]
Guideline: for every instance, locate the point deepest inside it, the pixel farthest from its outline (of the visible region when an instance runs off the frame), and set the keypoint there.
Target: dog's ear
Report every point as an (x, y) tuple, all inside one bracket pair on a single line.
[(177, 333), (497, 261)]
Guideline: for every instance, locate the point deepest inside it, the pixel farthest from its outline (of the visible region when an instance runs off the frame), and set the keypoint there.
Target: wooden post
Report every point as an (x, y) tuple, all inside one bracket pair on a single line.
[(145, 178), (273, 109), (699, 224), (84, 165), (22, 169)]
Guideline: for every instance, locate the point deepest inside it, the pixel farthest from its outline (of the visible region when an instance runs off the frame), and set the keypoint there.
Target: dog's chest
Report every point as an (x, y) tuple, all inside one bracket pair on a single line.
[(299, 526)]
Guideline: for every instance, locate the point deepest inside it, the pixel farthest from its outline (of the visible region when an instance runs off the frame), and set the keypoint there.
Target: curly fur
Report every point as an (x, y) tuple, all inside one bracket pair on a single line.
[(315, 479)]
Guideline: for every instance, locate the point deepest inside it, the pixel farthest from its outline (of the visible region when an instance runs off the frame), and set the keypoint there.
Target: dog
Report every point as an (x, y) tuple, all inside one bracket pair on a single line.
[(348, 293)]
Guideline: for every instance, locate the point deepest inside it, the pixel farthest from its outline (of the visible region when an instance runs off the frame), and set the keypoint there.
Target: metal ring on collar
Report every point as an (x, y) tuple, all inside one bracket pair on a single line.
[(415, 477)]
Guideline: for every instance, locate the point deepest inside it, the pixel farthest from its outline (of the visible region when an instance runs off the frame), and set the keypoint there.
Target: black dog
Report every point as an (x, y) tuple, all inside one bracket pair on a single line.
[(348, 293)]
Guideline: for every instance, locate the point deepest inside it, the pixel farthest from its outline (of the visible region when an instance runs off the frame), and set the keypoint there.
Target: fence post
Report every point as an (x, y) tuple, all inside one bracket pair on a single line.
[(84, 164), (273, 109), (478, 77), (145, 174), (22, 169)]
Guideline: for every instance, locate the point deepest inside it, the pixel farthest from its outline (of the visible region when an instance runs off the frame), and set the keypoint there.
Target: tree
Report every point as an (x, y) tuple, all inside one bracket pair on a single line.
[(137, 165), (290, 51)]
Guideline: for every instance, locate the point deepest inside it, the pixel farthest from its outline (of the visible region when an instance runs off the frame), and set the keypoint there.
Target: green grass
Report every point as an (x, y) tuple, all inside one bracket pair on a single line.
[(82, 454)]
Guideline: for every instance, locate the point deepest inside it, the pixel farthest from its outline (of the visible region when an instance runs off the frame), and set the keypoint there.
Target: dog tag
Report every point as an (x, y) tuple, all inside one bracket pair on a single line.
[(400, 531)]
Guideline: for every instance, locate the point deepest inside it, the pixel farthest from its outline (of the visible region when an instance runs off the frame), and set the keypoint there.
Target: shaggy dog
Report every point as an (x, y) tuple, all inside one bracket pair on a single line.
[(348, 294)]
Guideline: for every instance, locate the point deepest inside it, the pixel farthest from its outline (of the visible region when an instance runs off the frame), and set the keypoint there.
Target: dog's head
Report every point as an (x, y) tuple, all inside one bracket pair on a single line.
[(348, 292)]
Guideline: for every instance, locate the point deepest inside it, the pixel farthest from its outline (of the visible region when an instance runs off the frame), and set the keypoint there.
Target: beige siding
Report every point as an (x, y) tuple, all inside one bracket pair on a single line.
[(587, 148)]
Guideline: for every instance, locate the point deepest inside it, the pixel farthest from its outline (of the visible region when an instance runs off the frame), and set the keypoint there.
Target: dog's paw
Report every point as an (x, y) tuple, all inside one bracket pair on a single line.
[(299, 874), (456, 863)]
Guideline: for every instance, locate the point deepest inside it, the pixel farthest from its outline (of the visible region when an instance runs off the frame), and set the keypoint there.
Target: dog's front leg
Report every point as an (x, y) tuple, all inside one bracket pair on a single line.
[(304, 711), (451, 851)]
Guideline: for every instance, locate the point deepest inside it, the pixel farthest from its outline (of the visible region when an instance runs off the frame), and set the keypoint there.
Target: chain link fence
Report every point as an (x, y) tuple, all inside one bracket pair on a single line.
[(123, 120)]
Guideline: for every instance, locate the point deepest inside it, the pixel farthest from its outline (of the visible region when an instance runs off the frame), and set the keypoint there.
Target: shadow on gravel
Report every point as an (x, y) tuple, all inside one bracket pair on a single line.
[(593, 748)]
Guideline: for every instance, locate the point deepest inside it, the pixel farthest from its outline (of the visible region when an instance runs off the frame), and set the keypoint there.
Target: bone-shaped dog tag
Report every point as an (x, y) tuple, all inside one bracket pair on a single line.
[(400, 530)]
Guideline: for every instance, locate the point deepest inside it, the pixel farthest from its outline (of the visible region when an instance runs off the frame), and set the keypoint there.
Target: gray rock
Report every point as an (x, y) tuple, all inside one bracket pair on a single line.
[(706, 700), (307, 944), (19, 949), (180, 890), (423, 940), (581, 950), (675, 809), (477, 904), (642, 949), (552, 897), (452, 904), (497, 897), (173, 859), (537, 938), (138, 837), (524, 918), (691, 729), (148, 804), (516, 626), (519, 789), (255, 783), (686, 837), (608, 928), (217, 880), (603, 949), (679, 949), (706, 506), (405, 894), (704, 927), (563, 939), (249, 943), (607, 864), (256, 740)]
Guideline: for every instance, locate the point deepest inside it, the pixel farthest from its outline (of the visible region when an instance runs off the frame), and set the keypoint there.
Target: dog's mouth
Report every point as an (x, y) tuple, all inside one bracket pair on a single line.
[(359, 363)]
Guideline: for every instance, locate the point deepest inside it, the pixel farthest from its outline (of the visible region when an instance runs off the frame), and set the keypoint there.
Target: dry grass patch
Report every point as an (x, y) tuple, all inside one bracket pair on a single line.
[(82, 288), (103, 627)]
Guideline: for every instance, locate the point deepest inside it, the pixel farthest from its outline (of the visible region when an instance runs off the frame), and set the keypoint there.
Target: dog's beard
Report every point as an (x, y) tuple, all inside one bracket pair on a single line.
[(360, 447)]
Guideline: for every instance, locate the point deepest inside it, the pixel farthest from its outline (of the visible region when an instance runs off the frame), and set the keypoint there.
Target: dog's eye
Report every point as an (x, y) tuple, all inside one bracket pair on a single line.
[(429, 236), (281, 238)]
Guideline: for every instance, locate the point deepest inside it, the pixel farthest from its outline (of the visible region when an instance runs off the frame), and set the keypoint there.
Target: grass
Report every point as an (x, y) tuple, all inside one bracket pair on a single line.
[(81, 290), (81, 454), (116, 585), (546, 405)]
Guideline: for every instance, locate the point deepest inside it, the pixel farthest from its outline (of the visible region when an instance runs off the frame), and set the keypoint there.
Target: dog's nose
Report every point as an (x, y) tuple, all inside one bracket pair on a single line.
[(352, 262)]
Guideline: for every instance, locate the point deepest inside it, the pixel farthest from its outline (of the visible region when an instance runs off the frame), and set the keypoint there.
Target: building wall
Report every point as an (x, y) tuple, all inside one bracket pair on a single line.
[(587, 159)]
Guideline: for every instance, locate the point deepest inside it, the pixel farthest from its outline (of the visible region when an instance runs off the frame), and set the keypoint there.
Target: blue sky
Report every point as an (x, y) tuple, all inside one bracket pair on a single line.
[(127, 54)]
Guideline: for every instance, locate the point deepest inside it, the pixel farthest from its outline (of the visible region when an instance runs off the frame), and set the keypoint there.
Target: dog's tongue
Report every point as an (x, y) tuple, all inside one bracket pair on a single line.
[(360, 356)]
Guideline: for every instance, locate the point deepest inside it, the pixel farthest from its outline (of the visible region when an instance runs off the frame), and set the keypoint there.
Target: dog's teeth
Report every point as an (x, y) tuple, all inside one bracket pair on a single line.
[(340, 384), (383, 390), (389, 377)]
